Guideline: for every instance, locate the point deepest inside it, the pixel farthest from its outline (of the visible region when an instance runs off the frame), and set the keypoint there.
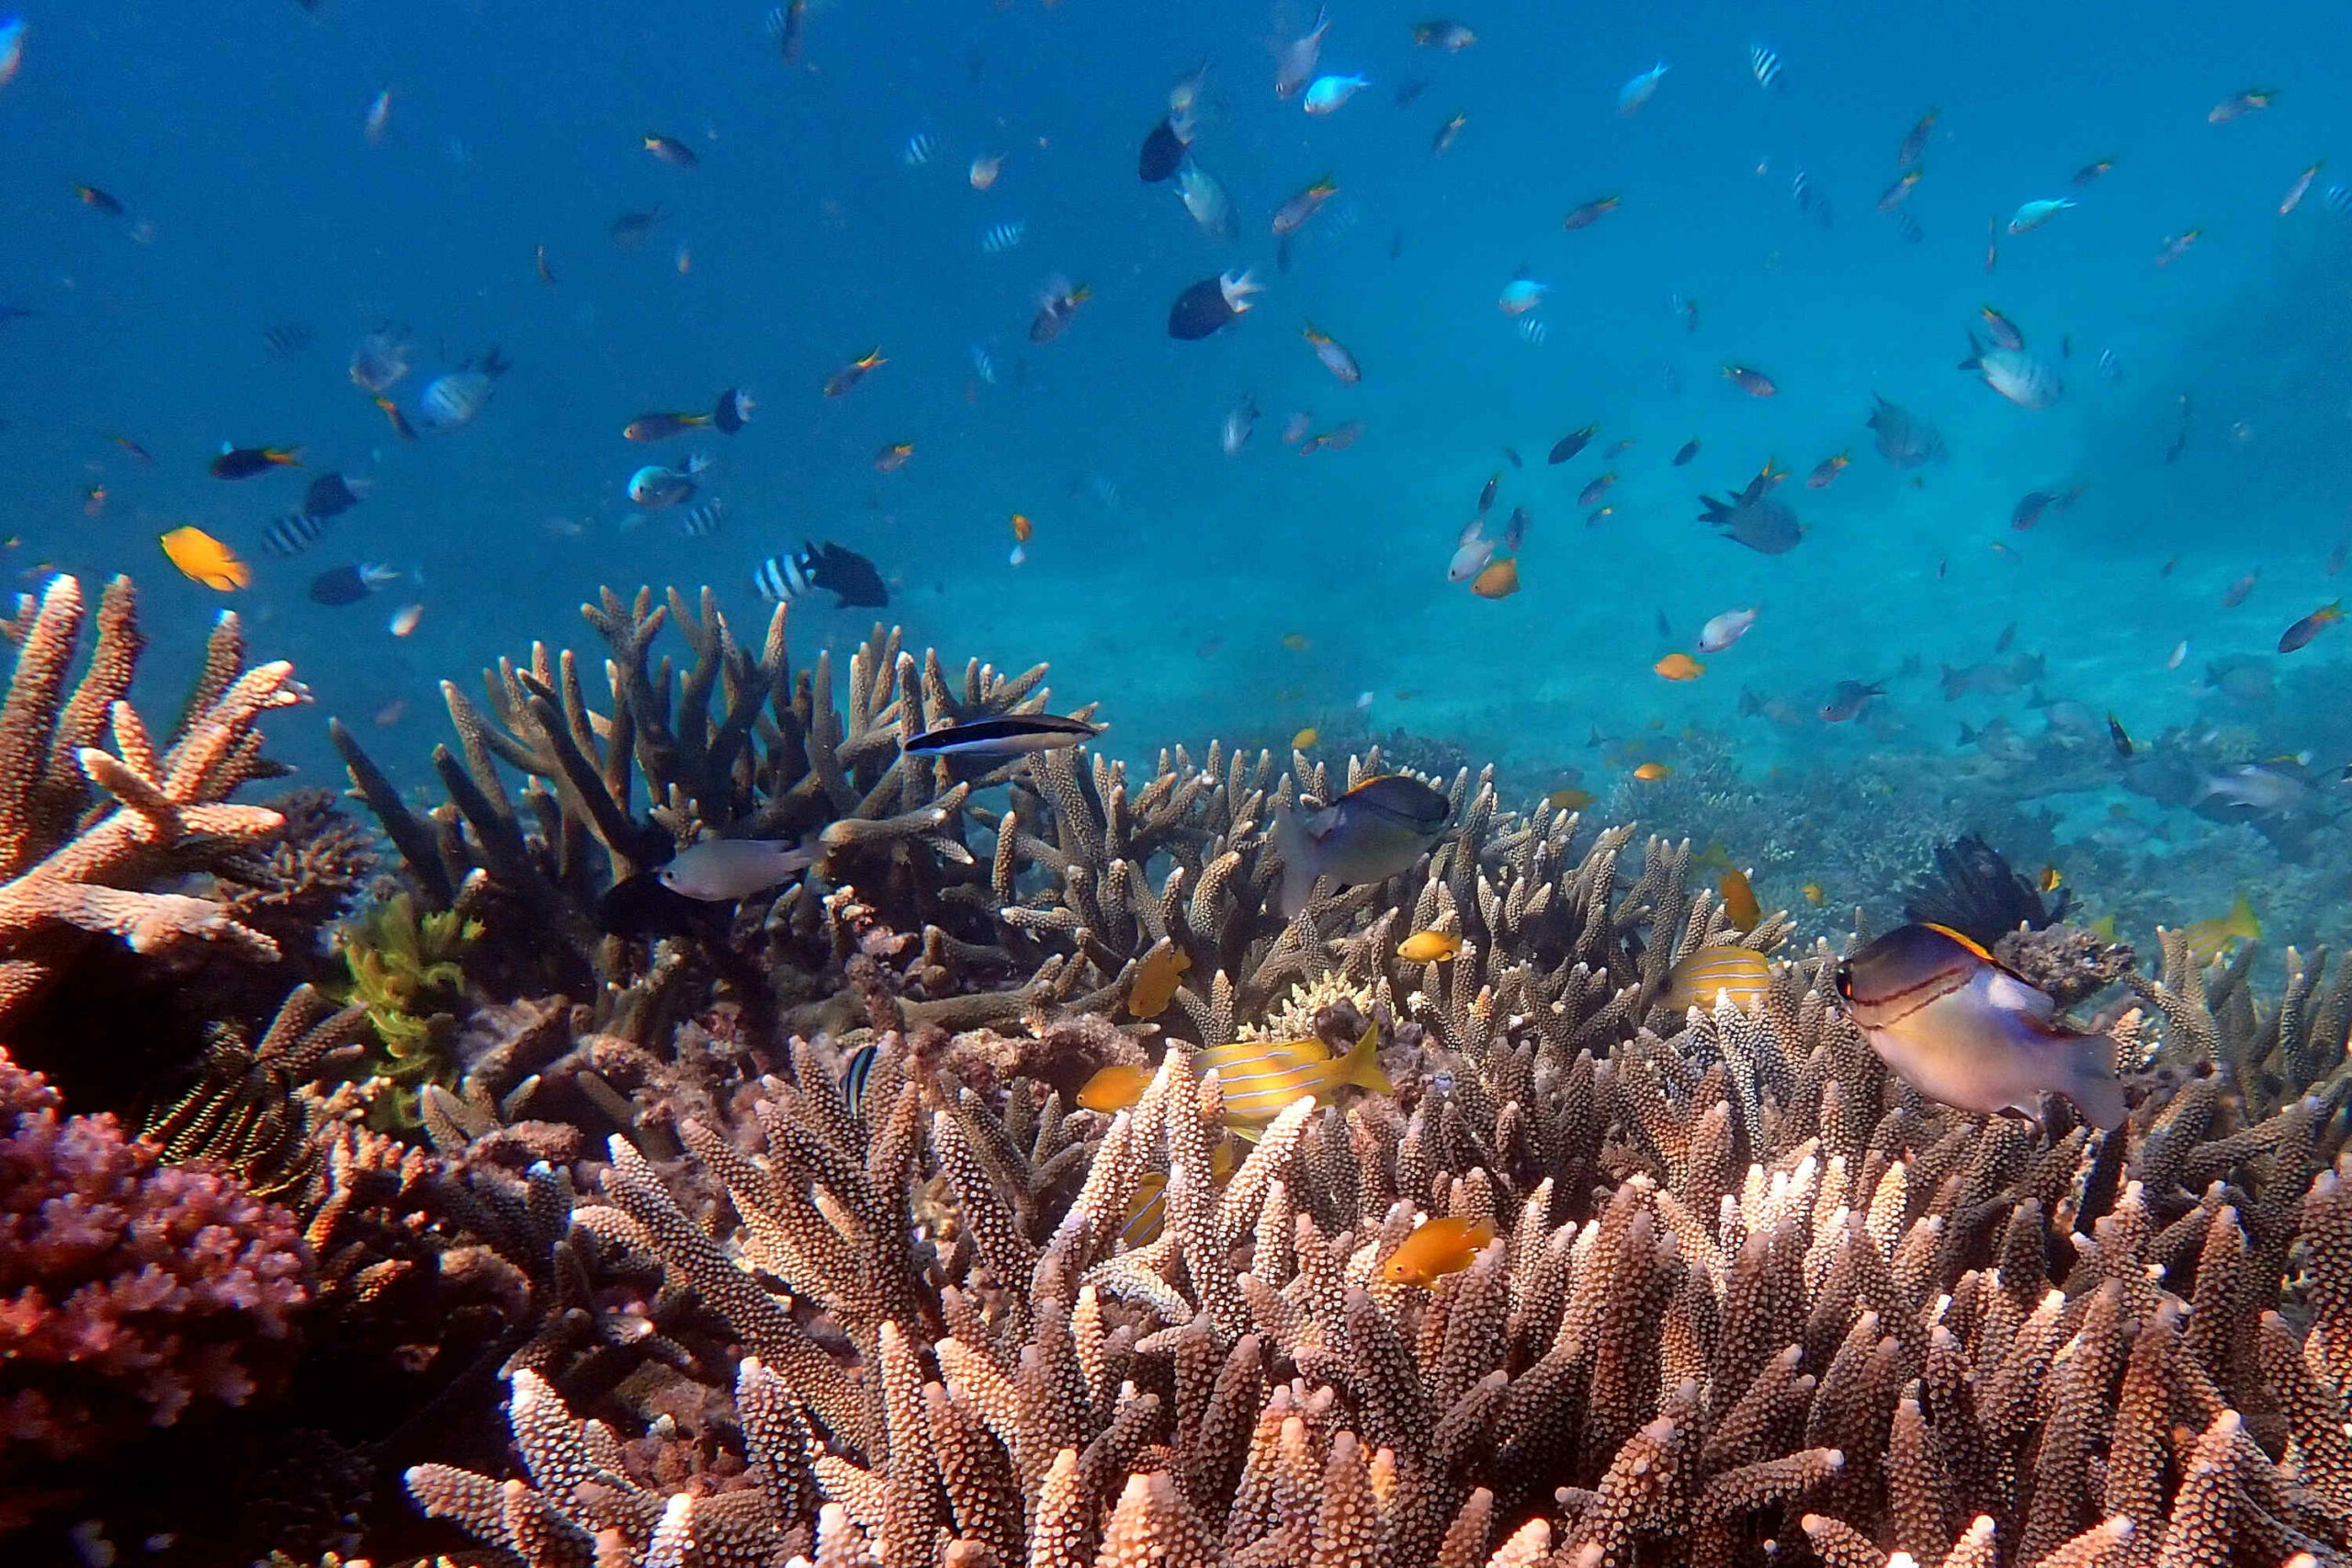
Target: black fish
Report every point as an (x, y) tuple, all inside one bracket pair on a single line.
[(1015, 735), (1163, 151), (1199, 312), (734, 411), (1408, 91), (630, 229), (2115, 732), (1573, 442), (1752, 518), (244, 462), (340, 586), (1973, 890), (843, 573), (1689, 450), (91, 196), (331, 495)]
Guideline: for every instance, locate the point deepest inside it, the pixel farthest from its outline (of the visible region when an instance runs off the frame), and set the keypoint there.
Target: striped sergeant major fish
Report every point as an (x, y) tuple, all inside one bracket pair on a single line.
[(292, 533), (1764, 65), (845, 574)]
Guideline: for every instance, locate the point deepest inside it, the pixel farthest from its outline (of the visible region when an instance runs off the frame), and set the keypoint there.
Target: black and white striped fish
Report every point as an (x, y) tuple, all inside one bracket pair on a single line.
[(2110, 365), (1908, 227), (1004, 236), (855, 1072), (920, 150), (845, 574), (1764, 65), (1810, 200), (703, 521), (287, 339), (2339, 200), (292, 533)]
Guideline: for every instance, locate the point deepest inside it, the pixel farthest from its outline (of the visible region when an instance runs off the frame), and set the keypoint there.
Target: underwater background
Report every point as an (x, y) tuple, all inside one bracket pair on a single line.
[(265, 228)]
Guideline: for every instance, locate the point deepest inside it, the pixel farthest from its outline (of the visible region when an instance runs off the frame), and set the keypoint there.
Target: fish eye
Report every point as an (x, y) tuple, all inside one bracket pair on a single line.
[(1845, 982)]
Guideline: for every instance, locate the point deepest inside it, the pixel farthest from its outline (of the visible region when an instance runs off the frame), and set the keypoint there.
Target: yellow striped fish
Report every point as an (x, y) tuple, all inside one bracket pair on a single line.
[(2208, 940), (1260, 1077), (1149, 1210), (1742, 970)]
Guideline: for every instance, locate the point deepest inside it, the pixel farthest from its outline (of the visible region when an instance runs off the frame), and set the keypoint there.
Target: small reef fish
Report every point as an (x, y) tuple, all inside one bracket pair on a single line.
[(984, 170), (405, 619), (1596, 489), (1056, 308), (452, 401), (1915, 140), (2209, 938), (2235, 593), (99, 200), (1650, 773), (293, 534), (1570, 799), (1755, 383), (332, 495), (2177, 246), (628, 231), (1960, 1027), (890, 458), (1499, 581), (1115, 1087), (1211, 305), (1448, 134), (1155, 983), (2025, 380), (999, 238), (343, 585), (1294, 63), (655, 486), (1739, 899), (1753, 518), (1590, 212), (1451, 36), (2034, 214), (1013, 735), (1161, 155), (1573, 442), (728, 415), (200, 558), (1333, 353), (1847, 698), (1639, 90), (1292, 214), (2294, 196), (670, 150), (1825, 472), (1764, 65), (1304, 740), (1688, 450), (1260, 1077), (1436, 1248), (1722, 631), (244, 462), (1680, 667), (1520, 294), (1240, 421), (2030, 508), (2117, 737), (849, 577), (1429, 947), (1698, 979), (2300, 634), (1899, 192), (2001, 330), (1369, 834), (1204, 196), (2096, 169), (850, 375), (1326, 94), (722, 871), (2244, 103), (12, 48)]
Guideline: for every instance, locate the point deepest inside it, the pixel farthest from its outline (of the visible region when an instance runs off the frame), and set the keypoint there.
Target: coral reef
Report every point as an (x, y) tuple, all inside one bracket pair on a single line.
[(131, 1292), (779, 1236)]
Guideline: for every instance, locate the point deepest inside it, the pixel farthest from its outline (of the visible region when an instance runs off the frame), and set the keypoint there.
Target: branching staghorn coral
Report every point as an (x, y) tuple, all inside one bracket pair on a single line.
[(1747, 1289), (68, 868)]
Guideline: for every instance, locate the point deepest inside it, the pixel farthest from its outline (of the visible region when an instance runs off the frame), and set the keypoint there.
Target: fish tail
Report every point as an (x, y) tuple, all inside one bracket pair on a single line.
[(1362, 1067), (1298, 861), (2094, 1087)]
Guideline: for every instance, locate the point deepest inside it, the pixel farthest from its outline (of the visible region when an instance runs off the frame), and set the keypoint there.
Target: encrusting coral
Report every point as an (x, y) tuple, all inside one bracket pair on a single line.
[(782, 1229)]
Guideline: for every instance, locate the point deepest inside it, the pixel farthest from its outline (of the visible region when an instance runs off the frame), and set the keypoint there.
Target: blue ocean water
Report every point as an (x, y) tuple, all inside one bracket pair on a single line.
[(1196, 594)]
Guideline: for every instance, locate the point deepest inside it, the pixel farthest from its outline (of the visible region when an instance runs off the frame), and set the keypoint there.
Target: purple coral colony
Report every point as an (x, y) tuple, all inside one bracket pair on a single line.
[(493, 1202)]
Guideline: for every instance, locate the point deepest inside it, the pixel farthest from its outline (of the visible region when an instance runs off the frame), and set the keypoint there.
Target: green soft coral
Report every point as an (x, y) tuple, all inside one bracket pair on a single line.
[(404, 970)]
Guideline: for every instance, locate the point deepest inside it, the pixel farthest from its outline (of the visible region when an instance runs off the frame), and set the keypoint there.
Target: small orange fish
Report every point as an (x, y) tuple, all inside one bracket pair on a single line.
[(1429, 947), (1438, 1249), (1813, 894), (1305, 738), (1755, 383), (1021, 527), (1680, 667), (1569, 799), (893, 457), (1116, 1087), (1499, 581), (1739, 899), (401, 426), (1156, 978), (203, 558), (1650, 773)]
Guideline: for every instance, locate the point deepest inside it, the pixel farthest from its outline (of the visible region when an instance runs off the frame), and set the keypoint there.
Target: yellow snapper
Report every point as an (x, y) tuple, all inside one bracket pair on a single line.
[(1369, 834), (2208, 940), (1960, 1028), (1259, 1078), (1694, 982)]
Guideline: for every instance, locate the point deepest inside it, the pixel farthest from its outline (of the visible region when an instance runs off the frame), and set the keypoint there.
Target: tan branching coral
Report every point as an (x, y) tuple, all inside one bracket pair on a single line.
[(1745, 1289), (67, 868)]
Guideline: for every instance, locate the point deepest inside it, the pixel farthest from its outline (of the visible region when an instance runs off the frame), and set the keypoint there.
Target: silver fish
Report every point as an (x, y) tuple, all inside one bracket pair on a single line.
[(719, 871), (1294, 63), (1960, 1028), (2028, 382), (1205, 199), (1238, 422), (452, 401), (1369, 834)]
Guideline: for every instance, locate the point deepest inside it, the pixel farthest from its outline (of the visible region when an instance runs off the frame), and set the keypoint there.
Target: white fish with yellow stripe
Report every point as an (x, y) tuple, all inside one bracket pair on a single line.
[(1259, 1078)]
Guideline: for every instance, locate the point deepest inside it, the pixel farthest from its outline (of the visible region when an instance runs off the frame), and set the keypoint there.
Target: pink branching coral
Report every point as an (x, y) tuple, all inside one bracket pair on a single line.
[(131, 1292)]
